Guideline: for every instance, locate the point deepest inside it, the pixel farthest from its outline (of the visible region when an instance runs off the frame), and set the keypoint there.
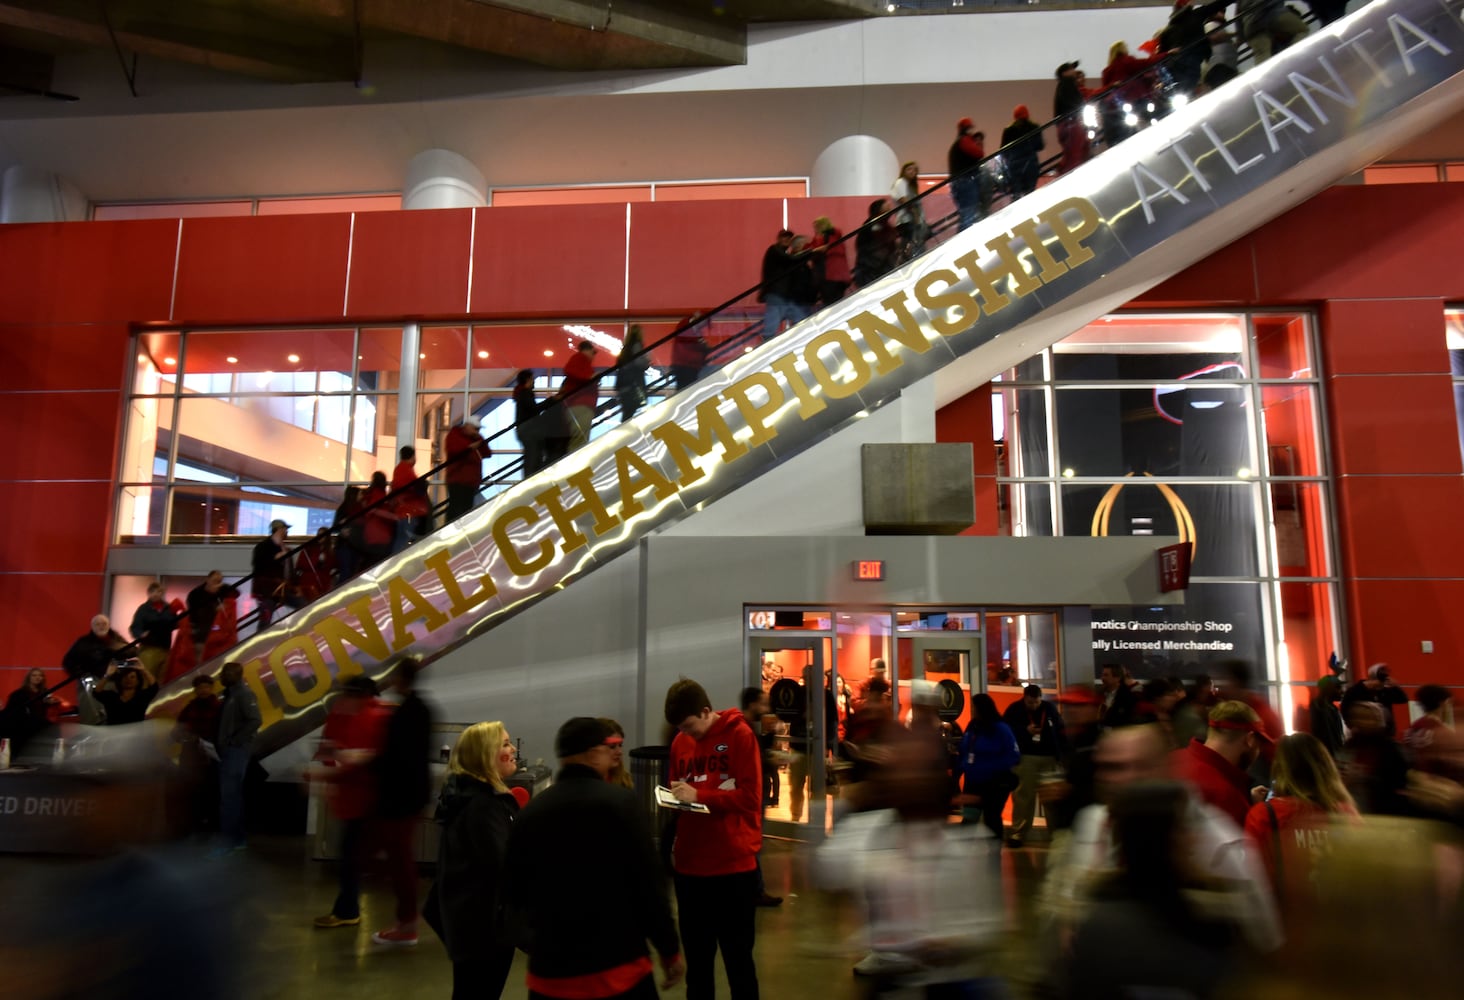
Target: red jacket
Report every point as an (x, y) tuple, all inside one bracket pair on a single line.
[(1219, 782), (1300, 832), (689, 346), (578, 387), (835, 258), (1121, 69), (380, 528), (725, 768), (466, 454), (409, 497), (352, 725)]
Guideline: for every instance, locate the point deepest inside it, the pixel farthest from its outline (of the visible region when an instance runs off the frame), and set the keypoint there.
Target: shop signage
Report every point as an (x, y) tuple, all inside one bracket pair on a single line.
[(1160, 202), (1174, 566), (869, 569)]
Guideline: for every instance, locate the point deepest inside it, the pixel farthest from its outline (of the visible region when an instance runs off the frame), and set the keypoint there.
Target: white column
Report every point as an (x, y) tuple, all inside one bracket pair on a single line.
[(407, 388), (440, 178), (31, 195), (854, 165)]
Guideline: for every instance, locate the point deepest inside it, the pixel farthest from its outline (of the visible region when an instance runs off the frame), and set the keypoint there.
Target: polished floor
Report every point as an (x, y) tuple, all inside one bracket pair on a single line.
[(805, 948)]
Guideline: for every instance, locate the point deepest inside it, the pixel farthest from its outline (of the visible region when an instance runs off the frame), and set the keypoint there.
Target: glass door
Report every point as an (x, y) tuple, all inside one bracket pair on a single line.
[(799, 737)]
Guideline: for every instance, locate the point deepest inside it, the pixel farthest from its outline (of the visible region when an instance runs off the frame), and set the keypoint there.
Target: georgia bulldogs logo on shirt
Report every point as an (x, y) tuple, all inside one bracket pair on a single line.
[(721, 748)]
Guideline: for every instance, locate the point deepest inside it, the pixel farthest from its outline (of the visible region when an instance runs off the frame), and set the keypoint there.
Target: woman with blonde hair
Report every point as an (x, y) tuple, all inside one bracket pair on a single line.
[(618, 774), (476, 812), (1291, 830)]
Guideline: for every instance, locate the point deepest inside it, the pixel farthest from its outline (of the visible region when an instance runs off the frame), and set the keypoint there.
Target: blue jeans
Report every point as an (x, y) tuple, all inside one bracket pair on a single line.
[(779, 309), (966, 189), (348, 898), (233, 764)]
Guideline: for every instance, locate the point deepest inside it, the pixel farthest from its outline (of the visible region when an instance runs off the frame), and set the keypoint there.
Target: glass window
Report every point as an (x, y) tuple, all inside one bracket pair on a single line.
[(1148, 346), (1216, 622), (1021, 648), (1023, 414), (1196, 429), (1401, 173), (1290, 413), (1219, 519), (771, 619), (1025, 509), (1283, 346), (172, 210), (1299, 515), (331, 203), (1454, 339)]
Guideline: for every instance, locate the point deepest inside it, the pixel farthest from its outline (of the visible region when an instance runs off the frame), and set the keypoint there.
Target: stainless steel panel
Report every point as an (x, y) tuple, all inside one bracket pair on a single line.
[(1137, 214)]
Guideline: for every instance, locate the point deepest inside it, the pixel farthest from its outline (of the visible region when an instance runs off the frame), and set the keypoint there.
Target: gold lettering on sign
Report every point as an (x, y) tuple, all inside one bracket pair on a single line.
[(404, 599), (516, 562), (337, 633), (858, 368), (681, 444), (590, 503), (461, 603), (809, 404), (952, 311), (904, 331), (1071, 236), (757, 414), (294, 697), (636, 474)]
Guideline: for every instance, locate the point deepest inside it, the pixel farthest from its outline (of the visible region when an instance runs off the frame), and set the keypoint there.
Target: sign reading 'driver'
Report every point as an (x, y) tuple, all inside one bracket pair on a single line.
[(1020, 279)]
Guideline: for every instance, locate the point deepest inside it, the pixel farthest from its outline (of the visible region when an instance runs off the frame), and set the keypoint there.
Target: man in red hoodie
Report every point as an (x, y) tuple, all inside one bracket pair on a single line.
[(715, 761)]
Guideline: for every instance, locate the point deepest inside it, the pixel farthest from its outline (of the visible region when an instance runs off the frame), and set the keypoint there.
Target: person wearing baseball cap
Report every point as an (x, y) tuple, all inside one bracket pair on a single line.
[(552, 873), (1067, 106), (271, 562), (1377, 687), (1217, 768), (466, 450), (1021, 145)]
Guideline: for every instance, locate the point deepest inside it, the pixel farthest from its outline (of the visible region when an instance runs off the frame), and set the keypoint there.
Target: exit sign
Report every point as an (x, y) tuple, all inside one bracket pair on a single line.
[(869, 569)]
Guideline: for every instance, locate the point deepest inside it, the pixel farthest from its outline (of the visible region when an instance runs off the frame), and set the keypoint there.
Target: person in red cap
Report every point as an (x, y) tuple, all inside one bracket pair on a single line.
[(964, 161), (1021, 146), (1217, 768)]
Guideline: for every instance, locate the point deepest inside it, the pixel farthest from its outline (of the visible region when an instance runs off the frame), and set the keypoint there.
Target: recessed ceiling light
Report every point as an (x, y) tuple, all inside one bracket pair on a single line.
[(482, 354), (422, 356), (293, 359), (548, 354), (232, 360), (170, 361)]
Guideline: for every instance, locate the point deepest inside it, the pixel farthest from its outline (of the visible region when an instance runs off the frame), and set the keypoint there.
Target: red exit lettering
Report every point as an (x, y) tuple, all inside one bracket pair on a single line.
[(869, 569)]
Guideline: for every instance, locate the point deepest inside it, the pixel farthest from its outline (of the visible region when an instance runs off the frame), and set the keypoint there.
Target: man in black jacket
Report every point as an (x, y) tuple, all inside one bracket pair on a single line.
[(1039, 732), (403, 789), (585, 908)]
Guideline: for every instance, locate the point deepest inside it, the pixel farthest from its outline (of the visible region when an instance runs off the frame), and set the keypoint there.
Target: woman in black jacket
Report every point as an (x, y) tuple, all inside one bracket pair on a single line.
[(476, 812)]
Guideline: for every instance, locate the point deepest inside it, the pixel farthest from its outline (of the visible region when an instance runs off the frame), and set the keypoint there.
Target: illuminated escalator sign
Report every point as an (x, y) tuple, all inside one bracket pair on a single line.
[(992, 296)]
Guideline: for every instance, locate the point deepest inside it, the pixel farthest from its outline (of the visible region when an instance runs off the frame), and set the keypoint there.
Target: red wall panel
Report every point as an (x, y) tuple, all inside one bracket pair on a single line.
[(70, 356), (1384, 337), (87, 272), (550, 260), (697, 255), (968, 419), (1390, 424), (66, 435), (847, 215), (57, 609), (270, 269), (57, 527), (1402, 526), (410, 264), (1390, 619), (1226, 277)]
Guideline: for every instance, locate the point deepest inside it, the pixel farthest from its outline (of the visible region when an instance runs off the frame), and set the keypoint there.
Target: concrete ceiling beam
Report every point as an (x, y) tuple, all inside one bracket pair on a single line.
[(202, 35)]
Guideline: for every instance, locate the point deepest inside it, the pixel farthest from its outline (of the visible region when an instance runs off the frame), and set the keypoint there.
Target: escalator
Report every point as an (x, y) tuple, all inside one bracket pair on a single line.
[(983, 300)]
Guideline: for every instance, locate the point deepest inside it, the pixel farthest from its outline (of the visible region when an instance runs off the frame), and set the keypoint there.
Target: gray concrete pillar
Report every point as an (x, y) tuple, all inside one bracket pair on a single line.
[(28, 194), (854, 165), (440, 178)]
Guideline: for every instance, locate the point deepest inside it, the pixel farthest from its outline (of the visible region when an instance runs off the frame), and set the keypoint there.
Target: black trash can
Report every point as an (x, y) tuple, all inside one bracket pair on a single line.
[(649, 767)]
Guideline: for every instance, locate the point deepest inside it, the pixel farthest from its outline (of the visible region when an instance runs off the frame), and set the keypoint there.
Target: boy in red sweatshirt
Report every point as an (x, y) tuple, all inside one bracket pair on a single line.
[(715, 761)]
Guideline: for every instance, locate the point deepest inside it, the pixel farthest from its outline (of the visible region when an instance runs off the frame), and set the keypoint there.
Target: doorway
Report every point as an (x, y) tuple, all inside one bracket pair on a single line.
[(799, 739)]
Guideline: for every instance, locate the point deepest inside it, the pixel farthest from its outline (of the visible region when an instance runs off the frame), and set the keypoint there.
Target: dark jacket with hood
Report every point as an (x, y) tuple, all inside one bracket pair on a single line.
[(403, 771), (463, 905)]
